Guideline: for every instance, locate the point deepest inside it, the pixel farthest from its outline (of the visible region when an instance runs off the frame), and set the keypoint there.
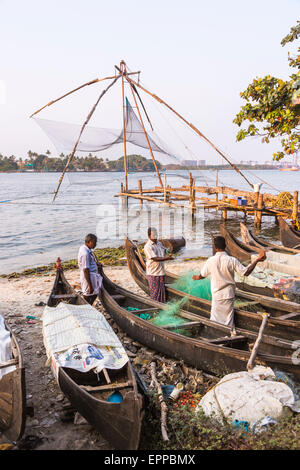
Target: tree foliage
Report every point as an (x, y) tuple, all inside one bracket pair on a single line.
[(273, 106)]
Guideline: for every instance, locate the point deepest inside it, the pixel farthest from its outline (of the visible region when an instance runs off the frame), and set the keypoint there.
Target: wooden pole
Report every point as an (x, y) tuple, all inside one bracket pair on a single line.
[(96, 80), (165, 188), (141, 120), (258, 213), (192, 126), (140, 190), (251, 361), (224, 213), (295, 207), (80, 133), (217, 184), (72, 91), (123, 69)]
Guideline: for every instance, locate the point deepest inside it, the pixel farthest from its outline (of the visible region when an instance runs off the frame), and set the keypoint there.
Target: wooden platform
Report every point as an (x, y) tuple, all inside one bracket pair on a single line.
[(195, 197)]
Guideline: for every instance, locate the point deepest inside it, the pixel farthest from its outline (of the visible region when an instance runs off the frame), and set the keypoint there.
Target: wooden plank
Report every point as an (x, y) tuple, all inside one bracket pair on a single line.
[(288, 316), (64, 296), (107, 378), (142, 310), (9, 363), (183, 325), (226, 339), (118, 297), (102, 388)]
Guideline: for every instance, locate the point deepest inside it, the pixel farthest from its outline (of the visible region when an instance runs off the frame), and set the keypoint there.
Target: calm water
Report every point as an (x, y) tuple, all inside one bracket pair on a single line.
[(34, 231)]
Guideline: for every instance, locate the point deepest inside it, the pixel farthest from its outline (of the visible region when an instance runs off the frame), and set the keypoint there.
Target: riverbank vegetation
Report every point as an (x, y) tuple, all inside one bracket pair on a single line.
[(46, 162), (272, 106)]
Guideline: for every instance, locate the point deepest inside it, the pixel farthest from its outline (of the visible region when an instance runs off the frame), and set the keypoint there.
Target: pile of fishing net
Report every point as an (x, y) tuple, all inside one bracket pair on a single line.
[(169, 317), (284, 200), (187, 284)]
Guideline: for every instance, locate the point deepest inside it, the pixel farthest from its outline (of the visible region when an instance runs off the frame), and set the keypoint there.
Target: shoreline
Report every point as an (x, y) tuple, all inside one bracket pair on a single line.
[(52, 425), (108, 256)]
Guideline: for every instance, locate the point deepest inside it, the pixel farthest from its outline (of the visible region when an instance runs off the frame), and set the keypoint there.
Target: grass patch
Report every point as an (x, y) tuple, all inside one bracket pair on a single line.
[(194, 431), (106, 256)]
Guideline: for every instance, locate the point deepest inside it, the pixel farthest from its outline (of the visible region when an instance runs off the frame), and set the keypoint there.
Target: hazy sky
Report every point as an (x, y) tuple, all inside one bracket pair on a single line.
[(197, 55)]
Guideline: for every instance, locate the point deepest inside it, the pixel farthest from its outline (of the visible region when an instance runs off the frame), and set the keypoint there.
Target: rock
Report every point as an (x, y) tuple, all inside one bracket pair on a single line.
[(130, 354), (81, 444), (38, 353), (131, 348), (60, 397), (47, 422), (78, 419), (34, 422)]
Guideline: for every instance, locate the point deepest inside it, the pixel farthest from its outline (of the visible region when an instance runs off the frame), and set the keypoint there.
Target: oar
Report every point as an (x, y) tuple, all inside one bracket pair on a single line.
[(251, 361)]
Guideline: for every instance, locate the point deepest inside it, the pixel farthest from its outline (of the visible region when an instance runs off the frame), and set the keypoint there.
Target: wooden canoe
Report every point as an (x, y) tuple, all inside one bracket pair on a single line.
[(277, 261), (288, 236), (209, 347), (13, 395), (279, 327), (250, 239), (238, 249), (119, 423), (173, 244)]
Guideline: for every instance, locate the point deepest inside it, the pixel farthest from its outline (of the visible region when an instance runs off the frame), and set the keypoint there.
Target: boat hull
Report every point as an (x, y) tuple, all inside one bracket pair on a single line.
[(217, 359), (288, 236), (119, 423), (286, 329), (13, 398)]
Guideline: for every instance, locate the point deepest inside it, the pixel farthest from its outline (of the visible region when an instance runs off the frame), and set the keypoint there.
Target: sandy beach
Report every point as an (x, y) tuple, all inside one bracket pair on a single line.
[(47, 428)]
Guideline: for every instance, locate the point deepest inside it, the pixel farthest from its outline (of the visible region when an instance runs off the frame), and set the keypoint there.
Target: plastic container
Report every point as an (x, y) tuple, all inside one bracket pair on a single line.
[(115, 397), (176, 391)]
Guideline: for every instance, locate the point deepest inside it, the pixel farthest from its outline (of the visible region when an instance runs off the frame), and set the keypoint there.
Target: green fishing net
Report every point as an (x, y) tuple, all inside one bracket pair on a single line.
[(199, 289)]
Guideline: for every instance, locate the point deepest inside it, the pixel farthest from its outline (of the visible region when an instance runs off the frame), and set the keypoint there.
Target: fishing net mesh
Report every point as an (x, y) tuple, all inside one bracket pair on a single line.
[(187, 284), (96, 139)]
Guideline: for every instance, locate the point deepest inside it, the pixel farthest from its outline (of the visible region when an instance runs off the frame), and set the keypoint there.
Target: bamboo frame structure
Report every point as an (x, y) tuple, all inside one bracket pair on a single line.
[(96, 80), (123, 70), (190, 125), (255, 207), (146, 136), (80, 133)]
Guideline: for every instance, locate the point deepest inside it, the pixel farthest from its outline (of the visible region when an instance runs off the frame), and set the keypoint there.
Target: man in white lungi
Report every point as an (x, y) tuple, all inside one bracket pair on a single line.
[(155, 253), (221, 268), (91, 280)]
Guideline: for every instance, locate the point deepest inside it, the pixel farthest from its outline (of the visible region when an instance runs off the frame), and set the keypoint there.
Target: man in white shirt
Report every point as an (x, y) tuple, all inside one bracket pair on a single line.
[(91, 281), (155, 266), (221, 268)]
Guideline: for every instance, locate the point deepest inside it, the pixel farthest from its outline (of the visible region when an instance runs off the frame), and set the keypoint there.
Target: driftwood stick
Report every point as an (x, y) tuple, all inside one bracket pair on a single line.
[(107, 378), (251, 361), (163, 406)]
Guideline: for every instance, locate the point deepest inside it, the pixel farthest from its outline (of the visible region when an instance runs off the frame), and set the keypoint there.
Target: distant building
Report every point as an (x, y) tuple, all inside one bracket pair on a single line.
[(189, 162), (193, 162)]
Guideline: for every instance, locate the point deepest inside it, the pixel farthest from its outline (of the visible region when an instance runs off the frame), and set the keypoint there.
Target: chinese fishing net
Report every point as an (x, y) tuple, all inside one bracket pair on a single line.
[(96, 139)]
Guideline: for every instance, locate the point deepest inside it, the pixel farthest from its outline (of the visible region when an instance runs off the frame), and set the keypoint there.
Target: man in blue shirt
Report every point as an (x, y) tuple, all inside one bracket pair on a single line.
[(91, 281)]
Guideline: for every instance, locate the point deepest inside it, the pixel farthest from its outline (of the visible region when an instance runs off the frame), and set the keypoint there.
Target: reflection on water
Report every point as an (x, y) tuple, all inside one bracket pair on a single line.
[(34, 231)]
